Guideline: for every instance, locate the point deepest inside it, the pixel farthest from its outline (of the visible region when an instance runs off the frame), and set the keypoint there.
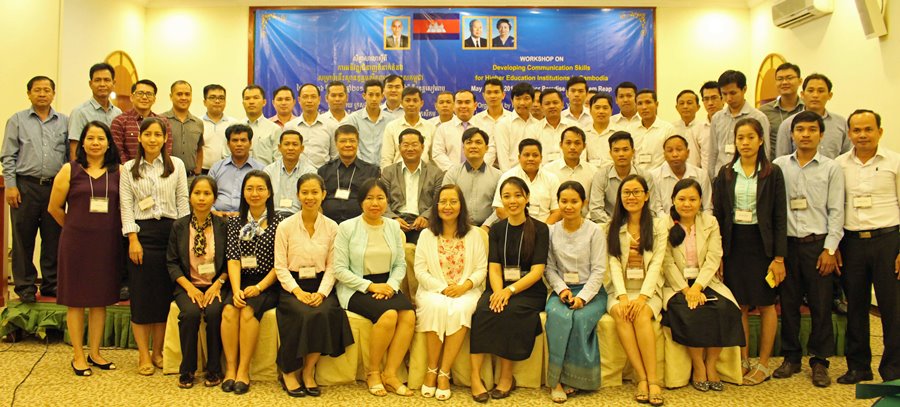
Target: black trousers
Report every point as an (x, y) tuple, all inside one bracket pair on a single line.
[(803, 278), (189, 328), (30, 217), (413, 235), (869, 262)]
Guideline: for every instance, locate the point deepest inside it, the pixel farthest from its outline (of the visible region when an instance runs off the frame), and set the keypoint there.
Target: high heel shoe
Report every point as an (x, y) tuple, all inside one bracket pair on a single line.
[(105, 366), (443, 394), (400, 390), (428, 391), (298, 392), (81, 372)]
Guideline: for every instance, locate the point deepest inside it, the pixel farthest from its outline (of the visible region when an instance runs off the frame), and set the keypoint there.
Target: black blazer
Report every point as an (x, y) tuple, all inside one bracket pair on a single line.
[(470, 43), (178, 259), (771, 209)]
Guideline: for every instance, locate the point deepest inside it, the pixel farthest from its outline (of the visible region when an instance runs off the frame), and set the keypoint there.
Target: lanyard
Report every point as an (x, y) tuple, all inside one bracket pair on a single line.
[(338, 169), (521, 236), (91, 180)]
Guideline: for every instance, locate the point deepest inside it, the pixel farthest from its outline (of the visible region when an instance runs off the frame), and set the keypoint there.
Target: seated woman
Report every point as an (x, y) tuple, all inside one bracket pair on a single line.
[(310, 320), (369, 265), (693, 295), (251, 271), (451, 263), (636, 246), (507, 316), (575, 267), (196, 262)]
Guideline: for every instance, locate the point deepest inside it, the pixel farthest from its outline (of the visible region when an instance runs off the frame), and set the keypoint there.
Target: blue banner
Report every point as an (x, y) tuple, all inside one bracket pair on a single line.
[(448, 49)]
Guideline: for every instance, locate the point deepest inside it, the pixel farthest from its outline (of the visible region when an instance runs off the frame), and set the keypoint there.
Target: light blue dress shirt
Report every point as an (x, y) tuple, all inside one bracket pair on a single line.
[(229, 178), (821, 183)]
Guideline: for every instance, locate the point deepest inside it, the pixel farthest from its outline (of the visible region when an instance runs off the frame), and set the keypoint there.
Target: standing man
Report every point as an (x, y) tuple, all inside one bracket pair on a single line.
[(286, 171), (627, 118), (870, 247), (446, 149), (371, 121), (283, 102), (215, 122), (650, 135), (673, 170), (571, 167), (576, 91), (597, 151), (336, 97), (733, 85), (443, 105), (536, 111), (266, 132), (477, 179), (412, 119), (229, 172), (34, 149), (392, 88), (815, 225), (102, 81), (493, 95), (127, 126), (542, 202), (695, 131), (605, 186), (344, 175), (549, 129), (318, 147), (712, 99), (412, 185), (816, 93), (187, 129), (788, 102), (514, 127)]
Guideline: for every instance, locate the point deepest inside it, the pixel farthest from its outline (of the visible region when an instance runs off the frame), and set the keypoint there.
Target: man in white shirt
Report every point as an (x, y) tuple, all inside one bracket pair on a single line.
[(536, 111), (571, 167), (576, 90), (318, 135), (443, 105), (412, 119), (694, 130), (283, 102), (493, 95), (514, 128), (597, 151), (733, 85), (286, 171), (549, 129), (543, 185), (650, 134), (336, 97), (393, 87), (675, 169), (627, 118), (446, 148), (265, 133), (214, 124)]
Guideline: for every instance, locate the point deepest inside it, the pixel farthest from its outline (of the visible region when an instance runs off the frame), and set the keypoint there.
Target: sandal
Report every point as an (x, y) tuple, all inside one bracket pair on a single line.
[(212, 379), (656, 399), (158, 363), (745, 367), (428, 391), (186, 380), (400, 390), (570, 391), (642, 396), (558, 396), (147, 370), (443, 394), (752, 378), (375, 389)]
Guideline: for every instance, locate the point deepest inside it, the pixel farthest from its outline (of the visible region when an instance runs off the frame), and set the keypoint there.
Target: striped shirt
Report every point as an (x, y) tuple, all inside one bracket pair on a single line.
[(170, 194), (125, 131)]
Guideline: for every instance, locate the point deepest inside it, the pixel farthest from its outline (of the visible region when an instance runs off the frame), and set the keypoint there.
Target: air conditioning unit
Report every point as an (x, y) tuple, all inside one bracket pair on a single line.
[(791, 13)]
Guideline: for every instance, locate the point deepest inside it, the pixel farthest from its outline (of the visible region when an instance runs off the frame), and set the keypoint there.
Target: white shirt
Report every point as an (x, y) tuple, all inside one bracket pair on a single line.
[(214, 144), (597, 146), (390, 146), (619, 122), (169, 195), (879, 178), (664, 181), (485, 122), (446, 148), (318, 139), (648, 144), (584, 121), (436, 121), (549, 137), (583, 173), (506, 137), (264, 147), (543, 189), (697, 135), (329, 119), (411, 179)]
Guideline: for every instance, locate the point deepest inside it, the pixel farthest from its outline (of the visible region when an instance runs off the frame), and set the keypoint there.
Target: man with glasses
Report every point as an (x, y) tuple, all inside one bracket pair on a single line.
[(98, 107), (412, 185), (787, 104), (214, 124), (187, 129), (127, 127)]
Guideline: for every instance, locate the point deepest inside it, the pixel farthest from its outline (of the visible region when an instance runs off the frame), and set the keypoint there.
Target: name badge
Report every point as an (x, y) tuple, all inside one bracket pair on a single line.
[(634, 274), (644, 158), (99, 205), (286, 203), (512, 273), (248, 262), (306, 272), (743, 216), (207, 270), (146, 203), (862, 201), (570, 277), (729, 149), (342, 194), (798, 204), (691, 272)]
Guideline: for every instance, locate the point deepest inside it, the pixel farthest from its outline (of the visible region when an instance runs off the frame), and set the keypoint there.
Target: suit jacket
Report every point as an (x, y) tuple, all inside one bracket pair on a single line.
[(469, 43), (430, 181), (653, 263), (178, 259), (709, 255), (390, 43), (771, 209)]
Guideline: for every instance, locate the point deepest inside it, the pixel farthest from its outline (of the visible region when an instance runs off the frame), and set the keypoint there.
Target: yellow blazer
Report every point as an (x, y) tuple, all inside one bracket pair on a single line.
[(709, 256)]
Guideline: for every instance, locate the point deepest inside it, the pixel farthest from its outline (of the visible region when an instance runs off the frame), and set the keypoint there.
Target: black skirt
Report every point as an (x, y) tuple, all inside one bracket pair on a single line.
[(746, 267), (263, 302), (304, 329), (508, 334), (149, 283), (370, 308), (713, 324)]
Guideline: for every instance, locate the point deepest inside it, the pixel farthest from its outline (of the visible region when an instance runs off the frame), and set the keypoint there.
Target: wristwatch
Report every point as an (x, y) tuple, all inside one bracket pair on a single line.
[(512, 288), (221, 281), (831, 252)]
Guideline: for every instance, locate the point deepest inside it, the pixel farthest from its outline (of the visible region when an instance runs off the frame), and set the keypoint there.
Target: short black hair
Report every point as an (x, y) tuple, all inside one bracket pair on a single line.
[(574, 81), (651, 92), (788, 65), (410, 130), (146, 82), (530, 142), (346, 129), (252, 87), (731, 76), (464, 91), (626, 85), (101, 66), (807, 116), (503, 20), (370, 184), (863, 111), (711, 85), (289, 132), (372, 82), (521, 89), (688, 92), (314, 86), (333, 84), (619, 136), (409, 91), (474, 131), (238, 129), (210, 88), (393, 77), (573, 129), (679, 137), (601, 95), (282, 89), (550, 91), (818, 76), (180, 82), (492, 82)]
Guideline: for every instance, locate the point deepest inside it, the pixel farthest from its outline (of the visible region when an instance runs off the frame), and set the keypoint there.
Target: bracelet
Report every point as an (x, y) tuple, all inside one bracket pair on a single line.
[(778, 261), (257, 287)]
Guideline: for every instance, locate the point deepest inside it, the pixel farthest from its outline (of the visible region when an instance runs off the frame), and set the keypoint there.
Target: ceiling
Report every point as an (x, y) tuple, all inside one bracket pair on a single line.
[(458, 3)]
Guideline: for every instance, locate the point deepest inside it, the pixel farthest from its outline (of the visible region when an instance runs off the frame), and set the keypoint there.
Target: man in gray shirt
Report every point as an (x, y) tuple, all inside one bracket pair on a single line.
[(34, 149), (477, 180), (98, 107), (187, 129), (733, 85), (788, 102), (816, 94)]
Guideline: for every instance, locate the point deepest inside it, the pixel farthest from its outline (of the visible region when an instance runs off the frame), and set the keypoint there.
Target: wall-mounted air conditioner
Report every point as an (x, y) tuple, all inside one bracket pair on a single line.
[(791, 13)]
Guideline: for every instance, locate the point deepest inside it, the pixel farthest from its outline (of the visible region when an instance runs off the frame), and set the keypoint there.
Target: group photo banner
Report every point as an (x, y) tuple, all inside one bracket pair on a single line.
[(447, 49)]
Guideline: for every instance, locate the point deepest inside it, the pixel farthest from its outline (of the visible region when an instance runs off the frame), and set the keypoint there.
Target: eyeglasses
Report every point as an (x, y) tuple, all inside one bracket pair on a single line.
[(216, 98), (410, 145), (785, 78), (636, 193), (453, 202), (142, 94)]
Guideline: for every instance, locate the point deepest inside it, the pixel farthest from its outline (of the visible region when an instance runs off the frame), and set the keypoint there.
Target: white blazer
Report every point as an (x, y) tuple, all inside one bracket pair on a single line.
[(428, 265)]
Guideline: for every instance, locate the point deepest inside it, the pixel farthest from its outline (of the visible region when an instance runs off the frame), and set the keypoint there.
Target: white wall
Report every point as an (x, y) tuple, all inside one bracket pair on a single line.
[(865, 72)]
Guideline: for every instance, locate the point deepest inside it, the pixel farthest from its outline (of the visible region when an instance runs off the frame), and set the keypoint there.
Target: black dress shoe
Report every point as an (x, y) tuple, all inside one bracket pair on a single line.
[(48, 293), (228, 386), (482, 397), (820, 375), (840, 307), (105, 366), (81, 372), (497, 394), (124, 294), (241, 387), (855, 376), (313, 391), (298, 392), (28, 298), (787, 369)]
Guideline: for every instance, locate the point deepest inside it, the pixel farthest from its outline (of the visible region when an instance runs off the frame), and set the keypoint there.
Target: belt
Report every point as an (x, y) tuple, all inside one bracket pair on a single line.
[(868, 234), (36, 180), (808, 239)]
